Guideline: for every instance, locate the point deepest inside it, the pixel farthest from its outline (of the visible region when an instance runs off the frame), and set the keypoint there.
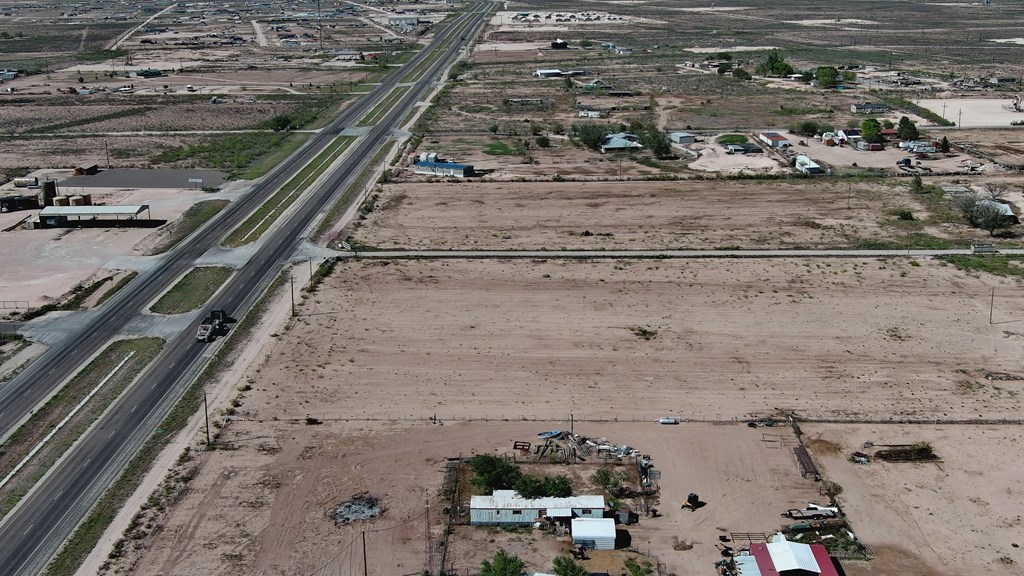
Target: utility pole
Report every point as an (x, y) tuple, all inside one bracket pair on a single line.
[(107, 150), (292, 279), (206, 412), (320, 25), (991, 304), (364, 552)]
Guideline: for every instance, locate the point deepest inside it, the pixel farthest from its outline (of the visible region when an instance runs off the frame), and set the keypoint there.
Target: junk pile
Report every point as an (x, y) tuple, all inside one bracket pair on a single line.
[(918, 452), (574, 447), (360, 507)]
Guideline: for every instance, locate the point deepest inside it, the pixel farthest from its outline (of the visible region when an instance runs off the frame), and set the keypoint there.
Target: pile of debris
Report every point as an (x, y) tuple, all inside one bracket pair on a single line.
[(360, 507)]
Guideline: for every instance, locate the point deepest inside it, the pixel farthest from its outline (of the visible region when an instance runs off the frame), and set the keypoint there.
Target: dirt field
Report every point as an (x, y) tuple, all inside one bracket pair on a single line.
[(959, 516), (975, 112), (454, 337), (635, 215)]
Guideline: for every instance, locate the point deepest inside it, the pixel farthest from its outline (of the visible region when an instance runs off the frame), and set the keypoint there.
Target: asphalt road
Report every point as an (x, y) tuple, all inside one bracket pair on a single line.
[(35, 530)]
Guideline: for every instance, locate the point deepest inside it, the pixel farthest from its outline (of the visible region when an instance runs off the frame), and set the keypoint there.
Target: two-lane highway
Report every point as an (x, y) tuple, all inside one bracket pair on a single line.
[(34, 531)]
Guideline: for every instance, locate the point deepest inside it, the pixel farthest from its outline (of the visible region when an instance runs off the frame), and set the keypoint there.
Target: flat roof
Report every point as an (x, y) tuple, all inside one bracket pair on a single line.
[(94, 210), (510, 499), (593, 528)]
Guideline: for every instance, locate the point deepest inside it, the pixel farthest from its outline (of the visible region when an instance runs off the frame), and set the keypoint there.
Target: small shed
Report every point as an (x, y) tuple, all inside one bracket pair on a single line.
[(774, 139), (806, 165), (683, 137), (594, 533)]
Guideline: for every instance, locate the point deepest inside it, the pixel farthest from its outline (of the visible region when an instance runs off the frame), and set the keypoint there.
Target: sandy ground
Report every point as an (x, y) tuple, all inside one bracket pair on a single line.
[(714, 159), (452, 338), (48, 263), (974, 112), (960, 516), (690, 214), (260, 509)]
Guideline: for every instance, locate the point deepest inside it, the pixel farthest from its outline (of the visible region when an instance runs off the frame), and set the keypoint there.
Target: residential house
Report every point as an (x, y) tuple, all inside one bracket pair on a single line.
[(620, 141), (780, 557), (850, 135), (506, 507)]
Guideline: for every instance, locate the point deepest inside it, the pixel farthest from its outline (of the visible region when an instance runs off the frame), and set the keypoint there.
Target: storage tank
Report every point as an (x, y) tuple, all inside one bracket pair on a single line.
[(76, 201), (48, 193), (87, 198), (62, 201), (26, 182)]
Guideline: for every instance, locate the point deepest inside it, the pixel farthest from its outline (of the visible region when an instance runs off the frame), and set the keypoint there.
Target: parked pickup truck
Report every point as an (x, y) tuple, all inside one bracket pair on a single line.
[(797, 514)]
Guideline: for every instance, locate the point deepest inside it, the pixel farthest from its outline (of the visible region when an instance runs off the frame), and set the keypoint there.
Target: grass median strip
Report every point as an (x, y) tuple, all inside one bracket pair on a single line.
[(189, 222), (192, 291), (383, 107), (25, 438), (88, 533), (264, 217), (351, 193)]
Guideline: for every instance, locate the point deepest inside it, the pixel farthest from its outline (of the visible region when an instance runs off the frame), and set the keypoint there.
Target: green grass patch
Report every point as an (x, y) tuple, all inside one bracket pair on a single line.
[(383, 107), (995, 264), (192, 291), (499, 148), (88, 533), (189, 222), (732, 139), (268, 161), (248, 155), (117, 287), (21, 442), (914, 241), (265, 216)]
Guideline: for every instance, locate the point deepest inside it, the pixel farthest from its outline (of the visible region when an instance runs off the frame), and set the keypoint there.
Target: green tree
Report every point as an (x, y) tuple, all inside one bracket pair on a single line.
[(907, 130), (494, 472), (848, 76), (529, 486), (827, 76), (944, 145), (637, 569), (917, 185), (988, 215), (607, 478), (871, 130), (774, 65), (724, 67), (558, 486), (888, 124), (566, 566), (590, 135), (543, 141), (741, 74), (503, 564)]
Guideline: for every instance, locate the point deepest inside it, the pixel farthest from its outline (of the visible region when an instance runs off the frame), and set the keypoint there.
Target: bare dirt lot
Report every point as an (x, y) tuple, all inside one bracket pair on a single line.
[(850, 338), (685, 214)]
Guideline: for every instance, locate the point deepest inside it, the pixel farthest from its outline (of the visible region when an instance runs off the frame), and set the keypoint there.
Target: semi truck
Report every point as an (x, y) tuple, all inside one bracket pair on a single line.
[(211, 326)]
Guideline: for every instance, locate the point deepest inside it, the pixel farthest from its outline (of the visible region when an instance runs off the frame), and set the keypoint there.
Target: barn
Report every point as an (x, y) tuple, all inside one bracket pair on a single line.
[(780, 557)]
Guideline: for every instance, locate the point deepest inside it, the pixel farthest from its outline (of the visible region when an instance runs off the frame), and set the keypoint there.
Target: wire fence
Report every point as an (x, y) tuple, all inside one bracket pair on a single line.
[(652, 418)]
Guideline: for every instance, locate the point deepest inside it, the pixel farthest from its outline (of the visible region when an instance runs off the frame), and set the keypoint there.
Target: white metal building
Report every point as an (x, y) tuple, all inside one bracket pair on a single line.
[(683, 137), (595, 533), (509, 508)]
